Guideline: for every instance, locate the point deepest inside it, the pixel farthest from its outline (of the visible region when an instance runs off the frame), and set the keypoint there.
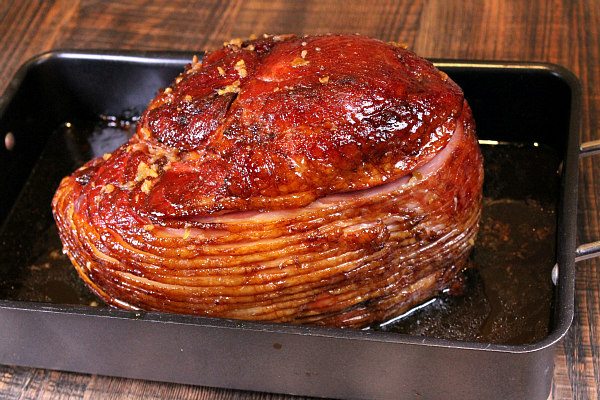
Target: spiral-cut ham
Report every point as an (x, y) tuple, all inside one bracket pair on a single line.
[(330, 180)]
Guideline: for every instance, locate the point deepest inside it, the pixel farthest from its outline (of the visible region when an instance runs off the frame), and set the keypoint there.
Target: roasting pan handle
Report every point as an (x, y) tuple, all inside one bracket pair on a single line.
[(588, 250)]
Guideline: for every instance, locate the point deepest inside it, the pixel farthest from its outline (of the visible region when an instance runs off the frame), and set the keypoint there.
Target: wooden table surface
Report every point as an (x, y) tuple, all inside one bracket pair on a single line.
[(564, 32)]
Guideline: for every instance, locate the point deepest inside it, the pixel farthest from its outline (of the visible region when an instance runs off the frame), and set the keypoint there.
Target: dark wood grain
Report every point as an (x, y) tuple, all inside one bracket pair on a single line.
[(564, 32)]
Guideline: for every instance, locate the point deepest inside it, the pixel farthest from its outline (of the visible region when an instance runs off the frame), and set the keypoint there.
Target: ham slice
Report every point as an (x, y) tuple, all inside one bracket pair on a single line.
[(332, 180)]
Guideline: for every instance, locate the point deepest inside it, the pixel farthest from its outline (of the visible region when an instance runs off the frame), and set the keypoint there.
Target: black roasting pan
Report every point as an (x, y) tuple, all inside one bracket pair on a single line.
[(513, 102)]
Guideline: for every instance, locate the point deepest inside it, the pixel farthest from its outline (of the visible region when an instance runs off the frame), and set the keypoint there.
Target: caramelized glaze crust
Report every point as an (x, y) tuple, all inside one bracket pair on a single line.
[(330, 179)]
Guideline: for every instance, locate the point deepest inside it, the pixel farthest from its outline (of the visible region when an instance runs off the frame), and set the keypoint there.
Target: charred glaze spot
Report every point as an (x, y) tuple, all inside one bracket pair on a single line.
[(186, 125), (83, 178)]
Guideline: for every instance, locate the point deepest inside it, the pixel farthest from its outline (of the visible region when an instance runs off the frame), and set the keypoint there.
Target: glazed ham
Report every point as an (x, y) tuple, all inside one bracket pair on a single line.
[(331, 180)]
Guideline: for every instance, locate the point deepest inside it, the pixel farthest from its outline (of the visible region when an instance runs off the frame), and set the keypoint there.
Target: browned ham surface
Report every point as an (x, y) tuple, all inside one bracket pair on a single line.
[(330, 180)]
